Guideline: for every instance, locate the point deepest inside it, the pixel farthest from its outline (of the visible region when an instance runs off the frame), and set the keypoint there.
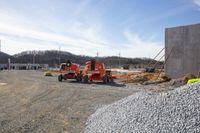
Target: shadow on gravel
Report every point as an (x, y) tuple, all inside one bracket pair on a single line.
[(114, 84), (109, 84)]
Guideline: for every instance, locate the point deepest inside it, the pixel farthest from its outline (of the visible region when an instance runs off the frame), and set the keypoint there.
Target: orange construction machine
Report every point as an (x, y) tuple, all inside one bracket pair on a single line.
[(69, 71), (95, 70)]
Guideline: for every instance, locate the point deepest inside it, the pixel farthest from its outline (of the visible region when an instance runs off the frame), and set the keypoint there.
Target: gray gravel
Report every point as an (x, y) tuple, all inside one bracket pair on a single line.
[(175, 112)]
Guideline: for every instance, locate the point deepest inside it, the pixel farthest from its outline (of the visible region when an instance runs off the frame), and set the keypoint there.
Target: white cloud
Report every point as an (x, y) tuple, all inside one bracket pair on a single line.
[(13, 46), (82, 35), (21, 33), (84, 44), (140, 47), (197, 2), (77, 38), (135, 46)]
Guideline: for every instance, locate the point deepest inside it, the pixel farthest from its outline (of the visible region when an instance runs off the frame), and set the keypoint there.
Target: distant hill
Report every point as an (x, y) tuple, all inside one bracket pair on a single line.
[(53, 57), (4, 57)]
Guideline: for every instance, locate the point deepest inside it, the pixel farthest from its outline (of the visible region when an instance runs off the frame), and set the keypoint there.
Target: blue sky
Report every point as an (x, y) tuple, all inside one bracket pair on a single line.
[(134, 28)]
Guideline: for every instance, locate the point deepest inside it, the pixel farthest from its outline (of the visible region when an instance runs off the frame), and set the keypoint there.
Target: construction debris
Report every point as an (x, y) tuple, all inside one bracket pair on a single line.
[(188, 77), (176, 112), (48, 73), (3, 84), (147, 78)]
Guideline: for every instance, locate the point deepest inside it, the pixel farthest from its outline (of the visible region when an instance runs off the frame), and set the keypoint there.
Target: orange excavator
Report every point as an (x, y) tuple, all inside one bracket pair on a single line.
[(69, 70), (95, 70)]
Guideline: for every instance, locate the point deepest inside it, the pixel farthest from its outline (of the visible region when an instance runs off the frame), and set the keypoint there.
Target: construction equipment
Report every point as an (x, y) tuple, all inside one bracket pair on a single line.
[(95, 70), (153, 69), (48, 73), (69, 71), (192, 81)]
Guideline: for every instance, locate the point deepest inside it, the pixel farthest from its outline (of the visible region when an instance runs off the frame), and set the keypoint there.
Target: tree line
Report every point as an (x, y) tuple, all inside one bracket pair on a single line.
[(54, 57)]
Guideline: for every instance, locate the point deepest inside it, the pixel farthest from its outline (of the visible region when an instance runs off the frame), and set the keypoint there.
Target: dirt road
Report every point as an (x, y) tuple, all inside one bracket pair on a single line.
[(31, 102)]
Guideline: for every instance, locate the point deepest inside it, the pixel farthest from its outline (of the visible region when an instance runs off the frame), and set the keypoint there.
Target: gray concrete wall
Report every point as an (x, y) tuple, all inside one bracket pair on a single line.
[(182, 50)]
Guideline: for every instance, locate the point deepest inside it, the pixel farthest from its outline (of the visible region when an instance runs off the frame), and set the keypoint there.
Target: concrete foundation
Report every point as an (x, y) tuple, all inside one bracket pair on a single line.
[(182, 50)]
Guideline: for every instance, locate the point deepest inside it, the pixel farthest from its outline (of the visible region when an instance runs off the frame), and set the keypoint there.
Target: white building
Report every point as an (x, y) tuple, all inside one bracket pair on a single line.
[(19, 66)]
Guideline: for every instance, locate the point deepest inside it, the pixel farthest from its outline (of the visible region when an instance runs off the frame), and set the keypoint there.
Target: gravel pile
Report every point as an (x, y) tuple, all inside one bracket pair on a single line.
[(175, 112)]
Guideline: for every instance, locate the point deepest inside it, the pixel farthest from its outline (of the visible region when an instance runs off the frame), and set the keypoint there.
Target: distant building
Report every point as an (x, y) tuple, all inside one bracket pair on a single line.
[(3, 66), (182, 50), (24, 66)]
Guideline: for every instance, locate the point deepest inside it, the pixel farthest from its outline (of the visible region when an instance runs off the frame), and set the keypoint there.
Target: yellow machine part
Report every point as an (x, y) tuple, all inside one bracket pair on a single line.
[(192, 81), (48, 73)]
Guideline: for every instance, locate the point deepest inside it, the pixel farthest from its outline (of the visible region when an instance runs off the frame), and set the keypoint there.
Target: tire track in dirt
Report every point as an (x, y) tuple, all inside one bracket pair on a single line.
[(35, 103), (31, 126)]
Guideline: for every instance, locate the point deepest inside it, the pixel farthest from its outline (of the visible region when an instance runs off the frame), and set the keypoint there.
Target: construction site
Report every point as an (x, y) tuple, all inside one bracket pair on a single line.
[(78, 89), (74, 99)]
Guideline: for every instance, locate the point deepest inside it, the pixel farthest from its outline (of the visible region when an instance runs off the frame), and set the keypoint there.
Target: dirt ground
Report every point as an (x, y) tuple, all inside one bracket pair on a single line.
[(31, 102)]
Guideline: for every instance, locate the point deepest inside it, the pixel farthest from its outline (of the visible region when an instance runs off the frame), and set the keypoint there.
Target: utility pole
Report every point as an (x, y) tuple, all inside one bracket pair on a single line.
[(97, 54), (59, 55), (34, 54), (9, 62), (119, 59)]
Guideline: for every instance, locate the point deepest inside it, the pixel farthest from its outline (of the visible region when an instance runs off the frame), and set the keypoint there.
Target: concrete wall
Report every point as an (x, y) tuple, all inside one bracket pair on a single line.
[(182, 50)]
